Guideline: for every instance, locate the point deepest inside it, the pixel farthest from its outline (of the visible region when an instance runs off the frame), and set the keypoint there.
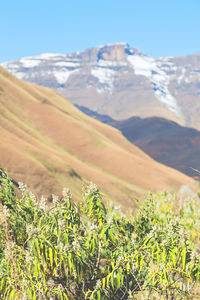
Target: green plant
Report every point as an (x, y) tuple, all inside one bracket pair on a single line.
[(67, 250)]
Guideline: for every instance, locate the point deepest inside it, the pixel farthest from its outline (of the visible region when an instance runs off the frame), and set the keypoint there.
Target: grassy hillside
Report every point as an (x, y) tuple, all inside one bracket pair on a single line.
[(47, 143), (88, 251)]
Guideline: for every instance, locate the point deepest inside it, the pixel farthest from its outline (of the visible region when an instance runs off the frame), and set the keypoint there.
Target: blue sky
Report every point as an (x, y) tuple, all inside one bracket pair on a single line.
[(156, 27)]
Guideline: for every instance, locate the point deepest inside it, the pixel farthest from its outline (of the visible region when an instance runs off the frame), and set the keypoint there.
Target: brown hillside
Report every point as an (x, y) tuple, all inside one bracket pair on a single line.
[(48, 143)]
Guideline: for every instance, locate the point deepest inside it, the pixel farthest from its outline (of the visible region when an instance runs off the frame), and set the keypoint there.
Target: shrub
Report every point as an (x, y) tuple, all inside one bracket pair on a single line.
[(70, 250)]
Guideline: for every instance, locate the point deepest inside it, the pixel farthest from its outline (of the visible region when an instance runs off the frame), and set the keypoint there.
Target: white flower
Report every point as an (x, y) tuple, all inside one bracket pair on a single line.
[(91, 189), (76, 246), (55, 199), (43, 202), (66, 193), (51, 283), (30, 229), (61, 224), (66, 248), (5, 210), (119, 260), (23, 188), (29, 259), (32, 197), (98, 284), (60, 287)]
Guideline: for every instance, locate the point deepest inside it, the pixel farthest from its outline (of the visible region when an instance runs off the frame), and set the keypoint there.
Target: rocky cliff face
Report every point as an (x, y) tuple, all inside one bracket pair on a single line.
[(120, 81)]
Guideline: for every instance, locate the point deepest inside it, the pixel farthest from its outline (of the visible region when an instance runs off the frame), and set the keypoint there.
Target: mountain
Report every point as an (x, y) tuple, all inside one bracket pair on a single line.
[(48, 143), (164, 140), (120, 81)]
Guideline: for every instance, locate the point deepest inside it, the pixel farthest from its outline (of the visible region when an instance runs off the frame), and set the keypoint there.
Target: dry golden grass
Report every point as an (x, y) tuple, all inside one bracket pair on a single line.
[(47, 143)]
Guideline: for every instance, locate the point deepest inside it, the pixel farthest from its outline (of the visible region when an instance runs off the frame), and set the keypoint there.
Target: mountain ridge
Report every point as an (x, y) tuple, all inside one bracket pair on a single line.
[(120, 81), (164, 140)]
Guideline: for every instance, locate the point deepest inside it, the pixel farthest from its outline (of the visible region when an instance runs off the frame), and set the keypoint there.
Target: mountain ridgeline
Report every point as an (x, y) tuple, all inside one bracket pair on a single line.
[(164, 140), (120, 81)]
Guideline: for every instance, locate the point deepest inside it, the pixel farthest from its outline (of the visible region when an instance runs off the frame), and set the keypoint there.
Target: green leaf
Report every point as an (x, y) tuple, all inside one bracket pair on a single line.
[(141, 263), (128, 268), (37, 247), (112, 280), (183, 259), (108, 278), (2, 283), (51, 257), (44, 252), (118, 281), (87, 294), (65, 295), (35, 269), (12, 295), (98, 295), (103, 283)]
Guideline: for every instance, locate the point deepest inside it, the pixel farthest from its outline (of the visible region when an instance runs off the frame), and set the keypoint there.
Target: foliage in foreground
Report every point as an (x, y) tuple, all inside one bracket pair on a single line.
[(87, 251)]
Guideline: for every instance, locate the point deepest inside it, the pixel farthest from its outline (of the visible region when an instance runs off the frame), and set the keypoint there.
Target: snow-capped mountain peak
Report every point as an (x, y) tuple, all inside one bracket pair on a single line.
[(114, 77)]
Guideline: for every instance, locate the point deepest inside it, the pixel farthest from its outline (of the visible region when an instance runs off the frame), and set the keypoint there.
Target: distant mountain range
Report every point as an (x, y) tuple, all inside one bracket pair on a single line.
[(164, 140), (120, 81), (47, 143)]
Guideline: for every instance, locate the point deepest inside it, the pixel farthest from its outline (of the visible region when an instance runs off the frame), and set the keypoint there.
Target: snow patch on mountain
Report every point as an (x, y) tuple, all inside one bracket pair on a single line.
[(67, 64), (62, 75), (105, 76), (51, 56), (182, 76), (111, 63), (10, 66), (60, 67), (14, 69), (19, 75), (156, 70), (29, 62)]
